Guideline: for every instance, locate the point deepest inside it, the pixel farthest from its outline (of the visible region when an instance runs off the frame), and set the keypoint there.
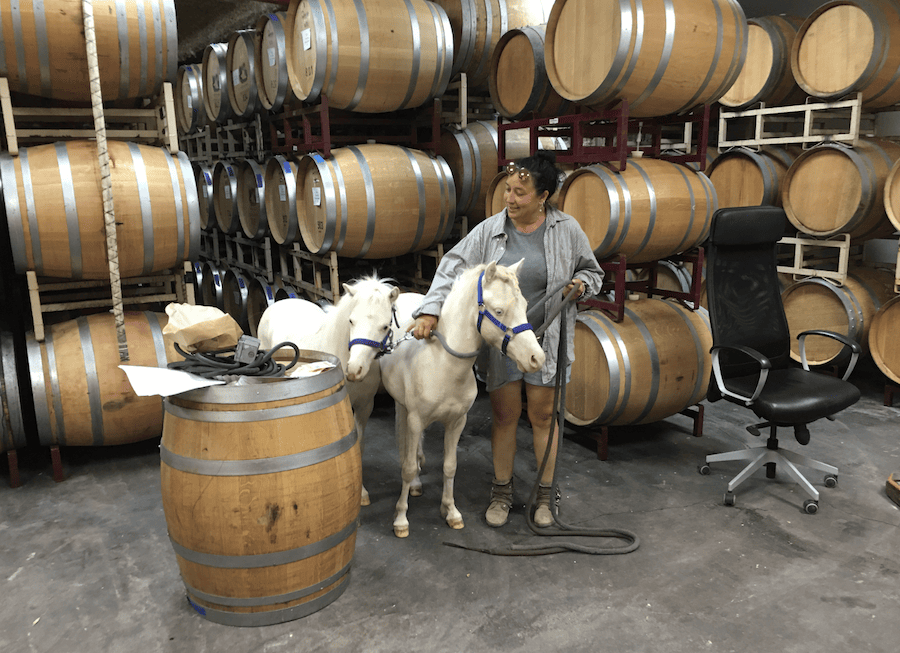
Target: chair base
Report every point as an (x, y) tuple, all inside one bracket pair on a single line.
[(763, 455)]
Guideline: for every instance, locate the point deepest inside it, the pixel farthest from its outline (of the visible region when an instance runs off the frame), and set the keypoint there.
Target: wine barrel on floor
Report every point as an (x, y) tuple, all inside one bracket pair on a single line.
[(288, 552)]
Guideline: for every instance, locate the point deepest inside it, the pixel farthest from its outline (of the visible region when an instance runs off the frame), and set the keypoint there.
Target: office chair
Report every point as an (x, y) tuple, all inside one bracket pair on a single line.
[(751, 349)]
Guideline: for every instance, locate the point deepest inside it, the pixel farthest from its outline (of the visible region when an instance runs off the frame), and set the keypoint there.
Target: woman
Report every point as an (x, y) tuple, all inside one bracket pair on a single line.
[(555, 249)]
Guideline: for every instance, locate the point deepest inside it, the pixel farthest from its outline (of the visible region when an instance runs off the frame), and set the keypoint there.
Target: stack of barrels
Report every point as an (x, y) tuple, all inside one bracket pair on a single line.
[(54, 213), (655, 362), (830, 189)]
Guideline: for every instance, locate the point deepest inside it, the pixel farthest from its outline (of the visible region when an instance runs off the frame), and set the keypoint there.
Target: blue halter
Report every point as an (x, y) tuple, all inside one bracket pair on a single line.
[(508, 333), (383, 347)]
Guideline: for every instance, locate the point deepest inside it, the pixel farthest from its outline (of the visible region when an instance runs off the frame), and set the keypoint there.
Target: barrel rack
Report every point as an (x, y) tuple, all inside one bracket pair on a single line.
[(153, 124)]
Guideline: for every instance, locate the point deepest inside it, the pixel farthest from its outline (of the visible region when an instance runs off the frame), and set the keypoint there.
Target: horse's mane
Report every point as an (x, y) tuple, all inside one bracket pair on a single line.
[(369, 283)]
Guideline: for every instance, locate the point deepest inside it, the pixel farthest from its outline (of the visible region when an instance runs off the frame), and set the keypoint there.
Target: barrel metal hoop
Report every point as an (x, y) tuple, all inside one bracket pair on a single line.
[(851, 307), (70, 204), (273, 559), (364, 55), (159, 343), (423, 204), (14, 212), (93, 382), (261, 415), (654, 365), (651, 192), (258, 466), (668, 44), (714, 64), (260, 601), (468, 176), (343, 226), (371, 213), (416, 53), (328, 239), (632, 22), (179, 208), (143, 192), (615, 374), (39, 390), (193, 207), (272, 617), (690, 227)]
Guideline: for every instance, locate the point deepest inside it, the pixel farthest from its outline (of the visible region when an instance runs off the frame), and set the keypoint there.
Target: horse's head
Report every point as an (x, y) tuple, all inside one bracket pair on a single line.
[(505, 307), (371, 303)]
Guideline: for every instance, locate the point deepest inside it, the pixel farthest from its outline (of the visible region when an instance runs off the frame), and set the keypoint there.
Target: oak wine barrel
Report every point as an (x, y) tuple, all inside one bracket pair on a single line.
[(663, 58), (251, 199), (337, 49), (745, 177), (81, 397), (884, 345), (832, 189), (240, 61), (847, 47), (260, 295), (44, 51), (653, 364), (518, 83), (272, 81), (766, 75), (54, 209), (847, 309), (374, 201), (235, 292), (215, 83), (649, 211), (288, 552), (281, 199), (190, 114), (225, 200)]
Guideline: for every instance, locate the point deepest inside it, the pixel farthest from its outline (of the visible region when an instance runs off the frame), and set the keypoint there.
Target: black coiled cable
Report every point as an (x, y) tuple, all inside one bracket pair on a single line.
[(213, 364)]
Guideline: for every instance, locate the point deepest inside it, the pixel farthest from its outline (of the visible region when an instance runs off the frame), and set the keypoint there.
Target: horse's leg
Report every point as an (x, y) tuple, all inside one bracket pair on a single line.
[(415, 488), (452, 431), (361, 417), (407, 438)]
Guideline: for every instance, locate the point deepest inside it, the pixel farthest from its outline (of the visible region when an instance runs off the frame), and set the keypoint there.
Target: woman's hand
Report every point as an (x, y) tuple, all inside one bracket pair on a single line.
[(576, 283), (423, 326)]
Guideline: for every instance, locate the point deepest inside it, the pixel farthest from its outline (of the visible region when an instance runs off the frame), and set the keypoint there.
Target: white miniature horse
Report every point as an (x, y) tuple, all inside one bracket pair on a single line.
[(429, 384), (355, 330)]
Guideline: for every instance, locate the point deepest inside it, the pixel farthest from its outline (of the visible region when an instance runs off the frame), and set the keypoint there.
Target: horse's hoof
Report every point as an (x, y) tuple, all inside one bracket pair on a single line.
[(415, 490), (365, 501), (401, 531), (455, 524)]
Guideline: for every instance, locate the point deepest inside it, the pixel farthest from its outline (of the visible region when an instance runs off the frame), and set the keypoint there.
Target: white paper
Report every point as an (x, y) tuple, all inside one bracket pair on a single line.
[(282, 193), (317, 196), (149, 381), (309, 369), (307, 38), (272, 56), (236, 77)]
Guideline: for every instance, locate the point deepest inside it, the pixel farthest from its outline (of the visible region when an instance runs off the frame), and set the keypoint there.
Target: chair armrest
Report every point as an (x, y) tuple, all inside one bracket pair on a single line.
[(764, 366), (854, 346)]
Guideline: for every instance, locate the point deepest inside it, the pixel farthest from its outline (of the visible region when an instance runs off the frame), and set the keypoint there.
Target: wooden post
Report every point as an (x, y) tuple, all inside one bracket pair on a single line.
[(112, 245)]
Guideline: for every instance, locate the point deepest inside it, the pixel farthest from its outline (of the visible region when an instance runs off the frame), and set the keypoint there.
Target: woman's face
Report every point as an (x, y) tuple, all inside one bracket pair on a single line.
[(522, 200)]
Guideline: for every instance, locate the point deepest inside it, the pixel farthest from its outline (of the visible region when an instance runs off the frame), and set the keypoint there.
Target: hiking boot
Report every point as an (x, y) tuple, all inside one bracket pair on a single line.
[(501, 501), (542, 515)]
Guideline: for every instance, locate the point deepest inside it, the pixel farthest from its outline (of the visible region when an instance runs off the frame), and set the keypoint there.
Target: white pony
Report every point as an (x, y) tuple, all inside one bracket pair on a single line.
[(355, 330), (429, 384)]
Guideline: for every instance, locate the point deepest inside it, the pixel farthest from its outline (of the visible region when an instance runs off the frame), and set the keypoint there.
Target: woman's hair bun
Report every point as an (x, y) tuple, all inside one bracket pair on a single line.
[(547, 155)]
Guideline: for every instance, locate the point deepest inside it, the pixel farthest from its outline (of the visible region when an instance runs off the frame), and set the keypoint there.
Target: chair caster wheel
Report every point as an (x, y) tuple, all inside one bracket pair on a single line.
[(811, 506), (728, 500), (704, 469), (831, 481)]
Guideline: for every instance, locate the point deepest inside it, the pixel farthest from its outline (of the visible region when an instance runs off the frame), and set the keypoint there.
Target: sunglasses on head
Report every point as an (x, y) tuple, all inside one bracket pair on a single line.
[(512, 168)]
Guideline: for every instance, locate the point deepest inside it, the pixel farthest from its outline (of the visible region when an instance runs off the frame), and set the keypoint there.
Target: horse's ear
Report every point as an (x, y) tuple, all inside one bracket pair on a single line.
[(395, 293), (490, 271), (516, 267), (350, 290)]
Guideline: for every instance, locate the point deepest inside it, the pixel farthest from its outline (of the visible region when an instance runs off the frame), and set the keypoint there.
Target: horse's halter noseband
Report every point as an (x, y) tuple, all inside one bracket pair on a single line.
[(383, 347), (508, 332)]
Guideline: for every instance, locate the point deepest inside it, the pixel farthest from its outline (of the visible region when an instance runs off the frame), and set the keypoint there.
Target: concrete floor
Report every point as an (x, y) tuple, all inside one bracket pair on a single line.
[(86, 565)]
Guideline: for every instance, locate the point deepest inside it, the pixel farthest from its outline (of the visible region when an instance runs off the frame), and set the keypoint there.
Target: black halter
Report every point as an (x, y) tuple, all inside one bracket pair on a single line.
[(508, 333)]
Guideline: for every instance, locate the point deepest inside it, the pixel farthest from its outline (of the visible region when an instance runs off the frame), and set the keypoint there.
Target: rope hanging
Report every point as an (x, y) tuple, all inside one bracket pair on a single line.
[(109, 216)]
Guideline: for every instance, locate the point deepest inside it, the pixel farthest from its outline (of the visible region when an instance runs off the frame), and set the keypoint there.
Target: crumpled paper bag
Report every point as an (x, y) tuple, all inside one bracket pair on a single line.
[(200, 328)]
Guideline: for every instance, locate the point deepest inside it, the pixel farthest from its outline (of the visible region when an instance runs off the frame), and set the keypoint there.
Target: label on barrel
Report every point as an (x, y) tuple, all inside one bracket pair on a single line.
[(272, 57), (208, 178), (236, 76), (282, 193), (228, 192), (190, 102), (307, 38), (317, 196), (269, 293), (259, 181)]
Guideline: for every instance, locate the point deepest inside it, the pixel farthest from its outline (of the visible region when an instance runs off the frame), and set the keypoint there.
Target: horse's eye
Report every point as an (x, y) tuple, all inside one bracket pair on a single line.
[(386, 327), (351, 322)]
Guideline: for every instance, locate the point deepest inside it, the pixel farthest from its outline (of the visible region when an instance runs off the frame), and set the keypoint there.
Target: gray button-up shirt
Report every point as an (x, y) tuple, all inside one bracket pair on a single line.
[(568, 255)]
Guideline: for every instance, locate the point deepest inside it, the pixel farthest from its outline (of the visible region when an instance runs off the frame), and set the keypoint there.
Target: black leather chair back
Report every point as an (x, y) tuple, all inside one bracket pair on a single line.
[(742, 288)]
